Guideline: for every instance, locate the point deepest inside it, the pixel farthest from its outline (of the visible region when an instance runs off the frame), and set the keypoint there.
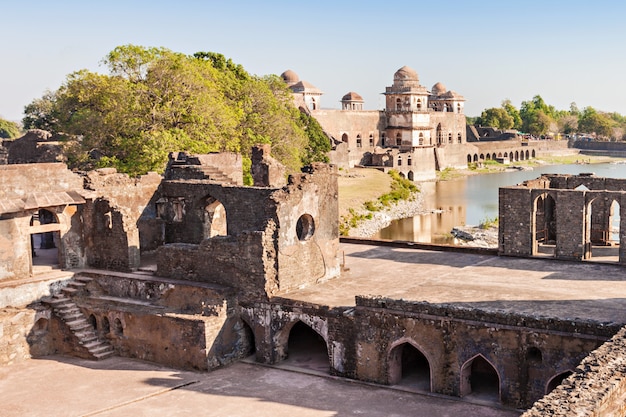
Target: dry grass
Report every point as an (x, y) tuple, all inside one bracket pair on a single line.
[(358, 185)]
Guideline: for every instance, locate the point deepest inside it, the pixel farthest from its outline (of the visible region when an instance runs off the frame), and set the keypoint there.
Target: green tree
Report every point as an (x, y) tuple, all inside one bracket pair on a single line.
[(496, 117), (155, 101), (513, 112), (318, 144), (8, 129), (536, 116), (592, 121)]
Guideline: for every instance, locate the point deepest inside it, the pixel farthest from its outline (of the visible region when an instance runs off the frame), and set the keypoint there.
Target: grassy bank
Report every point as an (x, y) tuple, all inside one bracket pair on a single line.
[(365, 191)]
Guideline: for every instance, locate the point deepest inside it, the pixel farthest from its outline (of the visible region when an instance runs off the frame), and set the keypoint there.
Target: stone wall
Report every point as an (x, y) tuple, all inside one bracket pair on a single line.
[(36, 146), (580, 213), (24, 333), (290, 232), (525, 351), (597, 387), (120, 207)]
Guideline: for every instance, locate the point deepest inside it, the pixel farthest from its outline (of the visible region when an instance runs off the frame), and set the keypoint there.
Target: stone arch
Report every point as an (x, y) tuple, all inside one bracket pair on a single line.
[(409, 365), (371, 138), (449, 138), (439, 135), (481, 157), (419, 104), (532, 154), (521, 156), (488, 157), (409, 161), (399, 160), (459, 138), (544, 225), (469, 158), (93, 321), (344, 138), (410, 175), (398, 139), (215, 220), (516, 155), (479, 377), (402, 175), (306, 347), (106, 325), (475, 157), (313, 103), (359, 141), (421, 138), (118, 327), (493, 156), (556, 380), (527, 153), (398, 103)]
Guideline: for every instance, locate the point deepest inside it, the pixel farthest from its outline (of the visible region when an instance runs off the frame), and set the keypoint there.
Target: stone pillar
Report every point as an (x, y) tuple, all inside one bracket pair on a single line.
[(266, 171)]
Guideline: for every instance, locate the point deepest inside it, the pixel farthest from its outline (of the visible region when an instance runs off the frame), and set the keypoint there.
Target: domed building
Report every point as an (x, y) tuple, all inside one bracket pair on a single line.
[(418, 132), (352, 101)]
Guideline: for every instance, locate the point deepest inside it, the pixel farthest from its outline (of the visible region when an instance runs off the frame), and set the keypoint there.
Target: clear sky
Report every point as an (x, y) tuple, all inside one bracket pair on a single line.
[(488, 51)]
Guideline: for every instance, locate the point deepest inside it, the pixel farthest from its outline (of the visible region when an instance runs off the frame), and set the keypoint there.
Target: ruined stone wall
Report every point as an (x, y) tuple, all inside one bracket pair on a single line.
[(597, 387), (291, 233), (119, 209), (360, 341), (36, 146), (24, 333), (581, 216), (308, 228)]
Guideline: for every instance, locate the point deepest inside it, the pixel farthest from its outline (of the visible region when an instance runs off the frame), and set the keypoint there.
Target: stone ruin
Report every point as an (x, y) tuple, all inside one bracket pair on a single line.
[(194, 270)]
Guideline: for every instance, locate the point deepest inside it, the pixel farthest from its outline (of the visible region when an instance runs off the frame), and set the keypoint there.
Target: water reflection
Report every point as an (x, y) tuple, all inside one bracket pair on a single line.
[(470, 200)]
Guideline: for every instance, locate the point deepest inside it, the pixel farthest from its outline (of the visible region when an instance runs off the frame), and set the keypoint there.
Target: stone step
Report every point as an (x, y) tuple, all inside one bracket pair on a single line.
[(82, 278), (70, 290), (79, 327), (81, 320), (104, 355), (101, 348)]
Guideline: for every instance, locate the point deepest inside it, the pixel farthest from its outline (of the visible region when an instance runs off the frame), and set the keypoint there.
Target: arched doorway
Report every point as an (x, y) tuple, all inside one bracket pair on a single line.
[(410, 175), (246, 339), (602, 230), (480, 379), (408, 366), (307, 349), (556, 381), (214, 219), (45, 240), (544, 226), (439, 135)]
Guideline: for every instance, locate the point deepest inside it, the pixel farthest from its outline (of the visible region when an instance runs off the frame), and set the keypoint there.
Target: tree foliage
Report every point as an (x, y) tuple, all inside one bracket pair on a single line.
[(155, 101), (496, 117), (8, 129)]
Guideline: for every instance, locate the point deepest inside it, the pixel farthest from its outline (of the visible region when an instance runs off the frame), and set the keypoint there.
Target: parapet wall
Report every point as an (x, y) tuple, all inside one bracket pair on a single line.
[(597, 388)]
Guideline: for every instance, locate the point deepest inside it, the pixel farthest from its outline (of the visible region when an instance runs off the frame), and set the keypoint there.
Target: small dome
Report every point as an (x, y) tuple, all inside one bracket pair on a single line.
[(438, 89), (352, 96), (405, 74), (290, 77)]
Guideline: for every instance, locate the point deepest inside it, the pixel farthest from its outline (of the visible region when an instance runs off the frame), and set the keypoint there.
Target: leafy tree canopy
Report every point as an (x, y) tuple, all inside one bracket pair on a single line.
[(8, 129), (496, 117), (155, 101)]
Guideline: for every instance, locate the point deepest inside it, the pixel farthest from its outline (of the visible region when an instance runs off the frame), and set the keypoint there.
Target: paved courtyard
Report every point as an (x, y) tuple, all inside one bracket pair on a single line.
[(545, 287), (63, 386)]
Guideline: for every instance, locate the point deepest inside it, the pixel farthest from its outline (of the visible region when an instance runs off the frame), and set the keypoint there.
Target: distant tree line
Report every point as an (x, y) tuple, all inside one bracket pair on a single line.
[(538, 118), (155, 101)]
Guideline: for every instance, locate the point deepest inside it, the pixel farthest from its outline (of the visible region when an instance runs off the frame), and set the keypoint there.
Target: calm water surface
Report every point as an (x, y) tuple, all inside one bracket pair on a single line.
[(470, 200)]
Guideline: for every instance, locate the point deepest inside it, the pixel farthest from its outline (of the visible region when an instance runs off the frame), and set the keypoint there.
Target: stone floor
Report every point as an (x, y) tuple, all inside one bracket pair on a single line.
[(539, 287), (62, 386)]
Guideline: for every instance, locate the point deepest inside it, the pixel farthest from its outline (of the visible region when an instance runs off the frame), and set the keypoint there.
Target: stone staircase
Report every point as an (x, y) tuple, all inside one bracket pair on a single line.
[(67, 310), (214, 174)]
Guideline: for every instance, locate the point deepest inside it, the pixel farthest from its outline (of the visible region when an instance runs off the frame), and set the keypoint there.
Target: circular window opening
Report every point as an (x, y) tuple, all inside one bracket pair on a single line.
[(305, 227)]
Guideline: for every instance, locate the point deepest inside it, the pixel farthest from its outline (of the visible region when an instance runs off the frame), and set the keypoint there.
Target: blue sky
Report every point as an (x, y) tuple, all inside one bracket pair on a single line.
[(487, 51)]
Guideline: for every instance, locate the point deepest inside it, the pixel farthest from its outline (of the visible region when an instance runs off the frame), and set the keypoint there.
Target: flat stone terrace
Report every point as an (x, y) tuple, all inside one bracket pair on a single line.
[(535, 287)]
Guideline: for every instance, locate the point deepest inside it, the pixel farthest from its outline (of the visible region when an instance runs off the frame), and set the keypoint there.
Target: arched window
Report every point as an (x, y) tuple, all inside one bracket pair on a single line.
[(313, 104), (359, 144), (398, 104), (399, 139), (419, 104), (449, 137), (399, 160), (214, 219), (458, 107), (421, 138), (383, 138), (371, 140), (459, 138), (408, 160), (344, 138), (439, 135)]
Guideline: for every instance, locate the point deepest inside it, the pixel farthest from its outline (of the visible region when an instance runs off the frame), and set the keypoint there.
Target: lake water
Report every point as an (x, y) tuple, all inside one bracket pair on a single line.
[(472, 199)]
